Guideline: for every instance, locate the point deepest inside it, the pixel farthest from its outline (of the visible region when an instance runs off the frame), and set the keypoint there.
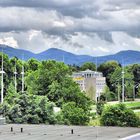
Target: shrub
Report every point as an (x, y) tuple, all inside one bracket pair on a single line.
[(59, 118), (29, 109), (74, 115), (119, 115), (99, 107)]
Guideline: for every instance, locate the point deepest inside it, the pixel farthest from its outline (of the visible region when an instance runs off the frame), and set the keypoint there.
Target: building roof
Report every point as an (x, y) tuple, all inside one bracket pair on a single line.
[(87, 71)]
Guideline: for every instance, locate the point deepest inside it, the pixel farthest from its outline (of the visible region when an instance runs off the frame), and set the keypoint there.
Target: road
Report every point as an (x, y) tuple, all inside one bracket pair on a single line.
[(58, 132)]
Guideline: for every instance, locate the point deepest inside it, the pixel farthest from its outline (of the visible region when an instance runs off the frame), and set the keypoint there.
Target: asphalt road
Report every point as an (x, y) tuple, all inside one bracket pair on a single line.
[(58, 132)]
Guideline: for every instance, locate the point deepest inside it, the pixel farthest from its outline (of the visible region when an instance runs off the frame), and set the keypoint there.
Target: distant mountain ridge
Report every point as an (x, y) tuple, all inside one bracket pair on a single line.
[(128, 57)]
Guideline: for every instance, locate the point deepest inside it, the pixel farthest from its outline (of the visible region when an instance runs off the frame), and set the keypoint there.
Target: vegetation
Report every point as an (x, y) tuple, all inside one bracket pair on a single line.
[(100, 107), (133, 105), (48, 84), (74, 115), (29, 109), (119, 115), (88, 65)]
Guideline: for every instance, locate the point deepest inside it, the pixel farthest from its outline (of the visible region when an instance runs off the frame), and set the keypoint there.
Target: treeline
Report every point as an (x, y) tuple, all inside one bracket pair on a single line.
[(49, 84)]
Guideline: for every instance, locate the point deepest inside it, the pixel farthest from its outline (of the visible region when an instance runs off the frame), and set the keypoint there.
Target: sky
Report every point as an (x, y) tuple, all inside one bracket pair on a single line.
[(91, 27)]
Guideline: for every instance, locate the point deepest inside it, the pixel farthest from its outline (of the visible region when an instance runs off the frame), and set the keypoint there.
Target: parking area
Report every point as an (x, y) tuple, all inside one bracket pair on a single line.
[(58, 132)]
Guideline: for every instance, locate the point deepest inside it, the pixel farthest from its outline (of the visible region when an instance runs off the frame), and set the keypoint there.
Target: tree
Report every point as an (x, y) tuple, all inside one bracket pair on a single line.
[(33, 64), (49, 71), (107, 69), (88, 65), (12, 94), (52, 79), (136, 72)]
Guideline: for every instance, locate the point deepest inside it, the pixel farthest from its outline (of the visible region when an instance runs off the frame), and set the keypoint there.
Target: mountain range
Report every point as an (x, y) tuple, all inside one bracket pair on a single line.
[(127, 57)]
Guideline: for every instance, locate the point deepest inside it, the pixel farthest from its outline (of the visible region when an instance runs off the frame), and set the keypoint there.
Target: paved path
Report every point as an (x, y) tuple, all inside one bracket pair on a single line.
[(56, 132)]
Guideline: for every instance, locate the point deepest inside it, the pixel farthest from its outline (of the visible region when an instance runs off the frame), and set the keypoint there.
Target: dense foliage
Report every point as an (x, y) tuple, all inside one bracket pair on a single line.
[(72, 114), (119, 115), (29, 109), (47, 84)]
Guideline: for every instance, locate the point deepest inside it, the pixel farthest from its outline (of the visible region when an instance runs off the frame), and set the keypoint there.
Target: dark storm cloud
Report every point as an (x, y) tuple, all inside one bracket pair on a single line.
[(105, 36), (75, 15), (75, 8)]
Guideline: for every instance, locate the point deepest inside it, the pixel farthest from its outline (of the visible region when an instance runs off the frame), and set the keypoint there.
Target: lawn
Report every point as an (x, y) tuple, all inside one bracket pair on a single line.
[(133, 105)]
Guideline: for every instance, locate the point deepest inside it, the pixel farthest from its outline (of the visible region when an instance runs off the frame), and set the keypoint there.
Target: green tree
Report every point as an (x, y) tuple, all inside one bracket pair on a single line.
[(107, 69), (11, 94), (136, 72), (33, 64), (49, 71), (53, 80), (88, 65)]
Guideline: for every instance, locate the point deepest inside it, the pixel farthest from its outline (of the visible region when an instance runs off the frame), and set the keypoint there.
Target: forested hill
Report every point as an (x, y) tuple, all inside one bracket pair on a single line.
[(128, 57)]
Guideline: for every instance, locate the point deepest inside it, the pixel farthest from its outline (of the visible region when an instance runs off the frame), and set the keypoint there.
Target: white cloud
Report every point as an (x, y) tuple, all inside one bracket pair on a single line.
[(10, 41), (137, 41)]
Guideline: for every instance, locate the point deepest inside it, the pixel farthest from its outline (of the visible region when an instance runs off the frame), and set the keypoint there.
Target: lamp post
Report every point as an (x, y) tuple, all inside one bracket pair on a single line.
[(2, 73), (15, 74), (118, 93), (22, 73), (123, 88)]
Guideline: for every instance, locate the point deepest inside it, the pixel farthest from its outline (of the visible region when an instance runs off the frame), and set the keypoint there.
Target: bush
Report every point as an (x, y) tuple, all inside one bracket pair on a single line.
[(59, 118), (29, 109), (119, 115), (74, 115), (99, 107)]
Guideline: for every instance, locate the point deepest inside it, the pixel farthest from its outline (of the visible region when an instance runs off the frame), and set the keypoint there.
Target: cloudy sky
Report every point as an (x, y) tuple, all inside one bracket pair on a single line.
[(93, 27)]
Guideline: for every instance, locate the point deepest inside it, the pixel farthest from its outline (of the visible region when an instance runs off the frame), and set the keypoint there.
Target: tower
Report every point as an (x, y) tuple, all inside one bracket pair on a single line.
[(123, 84)]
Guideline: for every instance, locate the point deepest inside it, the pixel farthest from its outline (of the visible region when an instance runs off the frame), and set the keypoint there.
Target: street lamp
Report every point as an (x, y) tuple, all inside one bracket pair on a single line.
[(15, 76), (22, 73), (135, 86), (123, 88), (2, 72)]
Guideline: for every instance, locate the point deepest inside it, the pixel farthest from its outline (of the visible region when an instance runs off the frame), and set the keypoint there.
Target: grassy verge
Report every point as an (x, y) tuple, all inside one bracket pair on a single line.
[(95, 121), (133, 105)]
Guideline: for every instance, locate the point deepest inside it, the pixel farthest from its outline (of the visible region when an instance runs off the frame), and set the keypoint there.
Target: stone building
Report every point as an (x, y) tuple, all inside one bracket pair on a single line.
[(92, 82)]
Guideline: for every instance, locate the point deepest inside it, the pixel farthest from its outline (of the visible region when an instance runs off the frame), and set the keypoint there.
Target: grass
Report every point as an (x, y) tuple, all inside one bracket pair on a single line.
[(133, 105), (138, 114), (130, 104), (95, 121)]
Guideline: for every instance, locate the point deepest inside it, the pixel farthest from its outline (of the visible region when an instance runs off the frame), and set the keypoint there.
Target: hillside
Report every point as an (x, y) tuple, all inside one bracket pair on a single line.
[(128, 57)]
